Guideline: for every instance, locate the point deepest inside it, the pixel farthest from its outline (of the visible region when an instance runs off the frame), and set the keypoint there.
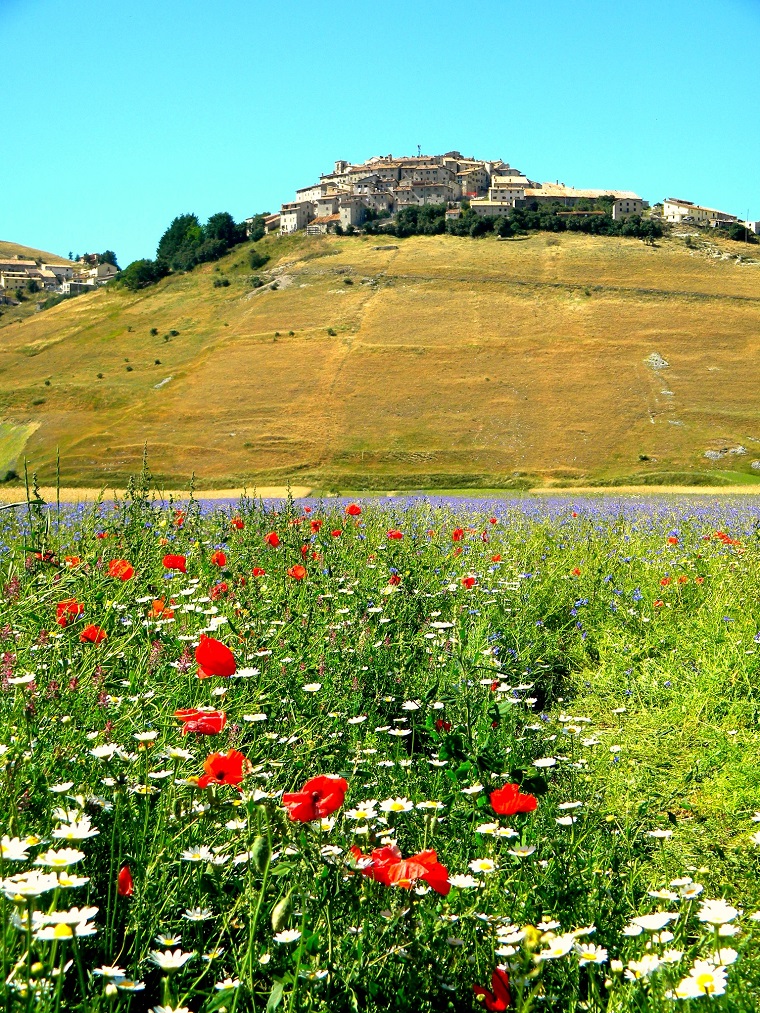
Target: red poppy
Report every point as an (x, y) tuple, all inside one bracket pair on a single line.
[(468, 582), (665, 581), (457, 534), (304, 551), (258, 571), (297, 572), (179, 518), (237, 522), (337, 533), (492, 520), (353, 510), (458, 550), (574, 514), (93, 635), (496, 558), (315, 526), (214, 658), (272, 539), (699, 580), (201, 722), (175, 563), (72, 560), (672, 540), (224, 768), (658, 603), (442, 726), (509, 800), (385, 865), (498, 999), (394, 580), (67, 610), (576, 572), (160, 610), (101, 534), (395, 535), (219, 589), (121, 568), (683, 579), (218, 558), (307, 510), (319, 797), (125, 886)]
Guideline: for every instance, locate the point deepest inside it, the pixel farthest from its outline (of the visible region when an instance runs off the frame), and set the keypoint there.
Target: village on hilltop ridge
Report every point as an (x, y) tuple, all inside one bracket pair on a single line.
[(344, 199), (374, 194)]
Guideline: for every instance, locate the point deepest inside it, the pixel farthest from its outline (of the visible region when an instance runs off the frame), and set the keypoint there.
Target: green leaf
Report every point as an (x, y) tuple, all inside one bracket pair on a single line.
[(275, 996)]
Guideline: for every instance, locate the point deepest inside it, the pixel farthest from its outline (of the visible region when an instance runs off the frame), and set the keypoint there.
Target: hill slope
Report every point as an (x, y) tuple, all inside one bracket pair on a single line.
[(453, 361), (29, 253)]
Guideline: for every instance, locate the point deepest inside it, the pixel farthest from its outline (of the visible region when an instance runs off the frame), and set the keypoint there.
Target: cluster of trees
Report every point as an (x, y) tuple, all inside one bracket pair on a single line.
[(107, 257), (183, 245), (430, 220)]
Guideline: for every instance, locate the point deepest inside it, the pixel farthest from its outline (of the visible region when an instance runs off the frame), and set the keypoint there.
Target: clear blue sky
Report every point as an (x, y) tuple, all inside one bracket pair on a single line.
[(121, 115)]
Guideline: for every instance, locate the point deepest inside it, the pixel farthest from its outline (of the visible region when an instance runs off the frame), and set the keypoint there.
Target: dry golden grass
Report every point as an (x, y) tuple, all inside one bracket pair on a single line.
[(453, 361), (30, 253)]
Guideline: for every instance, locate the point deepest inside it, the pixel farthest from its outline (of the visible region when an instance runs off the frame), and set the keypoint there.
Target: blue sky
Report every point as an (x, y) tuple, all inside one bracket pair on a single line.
[(130, 113)]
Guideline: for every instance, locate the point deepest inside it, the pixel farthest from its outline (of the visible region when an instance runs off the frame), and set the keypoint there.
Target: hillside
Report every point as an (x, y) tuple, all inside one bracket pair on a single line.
[(30, 253), (431, 361)]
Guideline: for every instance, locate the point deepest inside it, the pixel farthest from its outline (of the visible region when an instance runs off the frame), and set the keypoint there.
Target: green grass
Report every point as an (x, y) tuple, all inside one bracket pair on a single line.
[(617, 640), (12, 442)]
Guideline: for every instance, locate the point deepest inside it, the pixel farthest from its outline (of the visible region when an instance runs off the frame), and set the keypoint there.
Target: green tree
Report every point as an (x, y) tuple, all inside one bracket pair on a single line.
[(108, 257), (222, 227), (141, 273), (178, 243)]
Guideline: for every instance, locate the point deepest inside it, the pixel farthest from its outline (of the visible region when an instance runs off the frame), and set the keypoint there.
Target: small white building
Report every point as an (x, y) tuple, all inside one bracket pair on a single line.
[(323, 224), (486, 208), (295, 216), (11, 280), (352, 211), (271, 224), (102, 273), (624, 207), (61, 271), (679, 211)]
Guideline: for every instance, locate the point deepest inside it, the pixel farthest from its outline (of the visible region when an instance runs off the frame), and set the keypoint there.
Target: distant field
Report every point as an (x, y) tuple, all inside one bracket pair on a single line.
[(453, 363)]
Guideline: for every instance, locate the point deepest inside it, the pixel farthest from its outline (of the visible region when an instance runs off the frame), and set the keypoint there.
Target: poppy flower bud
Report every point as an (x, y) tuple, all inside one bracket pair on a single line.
[(125, 886), (261, 853), (281, 912)]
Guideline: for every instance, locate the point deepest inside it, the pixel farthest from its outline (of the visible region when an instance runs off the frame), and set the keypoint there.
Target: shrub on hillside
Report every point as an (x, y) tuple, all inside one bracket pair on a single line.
[(257, 259)]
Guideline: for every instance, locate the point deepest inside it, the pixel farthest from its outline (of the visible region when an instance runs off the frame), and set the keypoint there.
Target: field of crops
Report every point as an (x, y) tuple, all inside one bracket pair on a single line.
[(397, 754)]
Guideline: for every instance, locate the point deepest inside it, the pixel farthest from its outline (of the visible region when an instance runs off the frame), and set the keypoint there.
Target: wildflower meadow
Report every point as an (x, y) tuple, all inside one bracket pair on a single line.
[(390, 754)]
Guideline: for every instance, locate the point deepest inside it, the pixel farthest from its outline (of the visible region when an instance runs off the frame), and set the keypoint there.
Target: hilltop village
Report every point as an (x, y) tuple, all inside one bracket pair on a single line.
[(351, 195)]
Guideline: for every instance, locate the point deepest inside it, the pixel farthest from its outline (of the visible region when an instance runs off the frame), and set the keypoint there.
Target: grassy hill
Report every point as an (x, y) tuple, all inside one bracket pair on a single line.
[(30, 253), (431, 361)]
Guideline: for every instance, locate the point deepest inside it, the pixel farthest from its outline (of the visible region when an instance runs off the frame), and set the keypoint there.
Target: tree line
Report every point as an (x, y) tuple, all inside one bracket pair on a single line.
[(430, 220), (184, 244)]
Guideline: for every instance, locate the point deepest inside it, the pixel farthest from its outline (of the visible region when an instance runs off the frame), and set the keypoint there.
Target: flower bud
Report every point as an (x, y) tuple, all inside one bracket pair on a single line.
[(281, 912), (261, 852)]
